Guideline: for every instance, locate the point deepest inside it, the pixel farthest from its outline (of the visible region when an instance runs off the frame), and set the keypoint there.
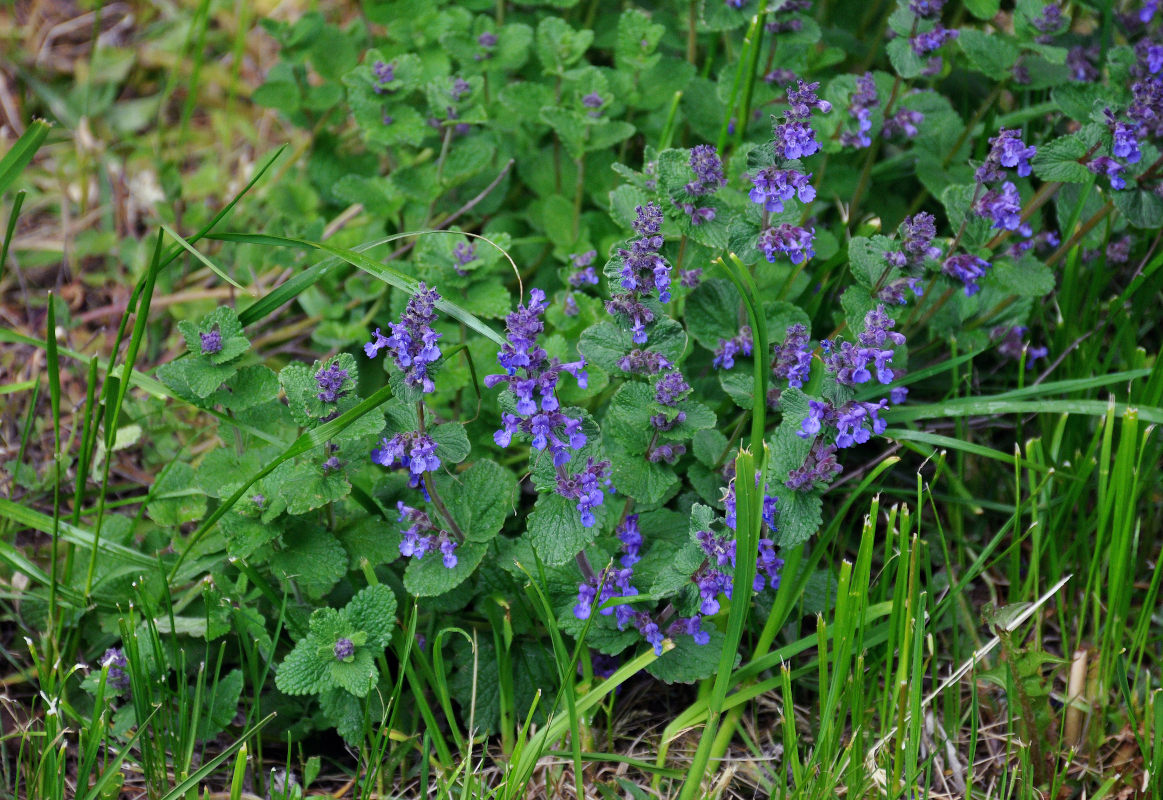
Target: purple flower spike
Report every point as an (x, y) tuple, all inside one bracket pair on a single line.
[(412, 449), (115, 659), (1105, 165), (586, 488), (708, 169), (864, 100), (330, 381), (773, 187), (211, 343), (631, 538), (793, 241), (792, 360), (413, 342), (819, 468), (1003, 207), (968, 269), (729, 348), (1006, 150), (344, 649)]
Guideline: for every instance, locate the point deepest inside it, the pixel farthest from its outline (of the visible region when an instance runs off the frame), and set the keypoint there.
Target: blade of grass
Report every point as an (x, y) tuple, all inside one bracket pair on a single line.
[(21, 153)]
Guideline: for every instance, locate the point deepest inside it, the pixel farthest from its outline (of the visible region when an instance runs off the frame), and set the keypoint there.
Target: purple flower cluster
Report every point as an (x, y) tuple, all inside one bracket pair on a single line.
[(463, 255), (863, 101), (421, 536), (530, 373), (665, 453), (1003, 206), (850, 421), (819, 468), (968, 269), (773, 187), (690, 278), (1048, 22), (613, 582), (1012, 344), (729, 348), (917, 233), (583, 274), (414, 450), (1081, 62), (344, 649), (792, 360), (643, 271), (927, 42), (849, 363), (904, 122), (117, 679), (643, 362), (330, 382), (794, 138), (776, 184), (413, 342), (1006, 150), (1113, 170), (211, 342), (1042, 242), (585, 487), (671, 388), (708, 169), (384, 75), (487, 41), (791, 240)]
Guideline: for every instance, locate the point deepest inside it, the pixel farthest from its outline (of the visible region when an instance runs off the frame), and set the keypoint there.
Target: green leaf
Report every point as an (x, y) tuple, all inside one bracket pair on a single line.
[(992, 54), (555, 528), (372, 539), (867, 262), (303, 671), (800, 515), (428, 577), (312, 558), (689, 662), (451, 442), (739, 384), (247, 388), (1029, 277), (357, 676), (983, 9), (1141, 208), (713, 311), (480, 499), (638, 38), (245, 535), (558, 45), (708, 446), (906, 63), (194, 376), (308, 485), (636, 477), (627, 422), (221, 705), (373, 611), (605, 344), (1058, 160), (174, 498)]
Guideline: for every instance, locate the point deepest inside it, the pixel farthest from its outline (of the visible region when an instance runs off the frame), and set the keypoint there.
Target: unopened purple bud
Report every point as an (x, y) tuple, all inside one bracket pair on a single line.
[(344, 649)]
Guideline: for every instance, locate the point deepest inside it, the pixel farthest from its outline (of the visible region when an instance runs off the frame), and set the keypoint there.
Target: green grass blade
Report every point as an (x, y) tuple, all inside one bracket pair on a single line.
[(372, 267), (21, 153), (217, 270)]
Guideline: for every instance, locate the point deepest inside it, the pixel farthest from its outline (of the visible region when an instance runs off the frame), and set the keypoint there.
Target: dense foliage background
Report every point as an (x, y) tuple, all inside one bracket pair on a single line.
[(377, 376)]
